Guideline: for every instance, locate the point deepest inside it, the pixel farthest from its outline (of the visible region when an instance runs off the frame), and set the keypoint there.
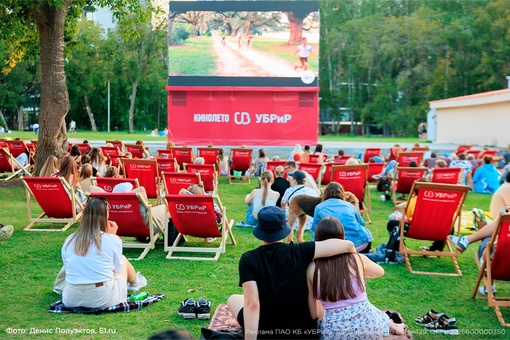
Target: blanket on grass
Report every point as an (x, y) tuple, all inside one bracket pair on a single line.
[(128, 306)]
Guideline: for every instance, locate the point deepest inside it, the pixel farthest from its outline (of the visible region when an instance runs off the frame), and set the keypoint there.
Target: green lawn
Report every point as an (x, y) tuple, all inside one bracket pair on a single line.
[(31, 260), (89, 135), (194, 57)]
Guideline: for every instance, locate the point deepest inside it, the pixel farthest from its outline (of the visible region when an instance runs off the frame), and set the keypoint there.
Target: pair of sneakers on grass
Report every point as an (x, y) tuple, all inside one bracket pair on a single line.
[(191, 309)]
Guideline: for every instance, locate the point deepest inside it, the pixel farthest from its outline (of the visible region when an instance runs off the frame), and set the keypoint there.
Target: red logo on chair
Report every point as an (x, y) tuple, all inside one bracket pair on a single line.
[(196, 207), (119, 206), (139, 166), (180, 207), (45, 186), (108, 188), (428, 194)]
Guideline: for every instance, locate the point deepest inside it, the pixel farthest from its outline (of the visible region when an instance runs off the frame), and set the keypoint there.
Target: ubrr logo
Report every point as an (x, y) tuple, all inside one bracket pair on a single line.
[(119, 206), (45, 186), (242, 118)]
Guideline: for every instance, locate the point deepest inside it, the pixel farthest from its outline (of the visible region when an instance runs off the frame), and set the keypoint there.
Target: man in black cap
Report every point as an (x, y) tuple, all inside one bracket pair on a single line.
[(273, 278)]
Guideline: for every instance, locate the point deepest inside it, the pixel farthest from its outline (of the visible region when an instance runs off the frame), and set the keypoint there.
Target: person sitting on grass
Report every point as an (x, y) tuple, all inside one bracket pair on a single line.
[(260, 198), (337, 292), (273, 276), (280, 184), (97, 275), (486, 178)]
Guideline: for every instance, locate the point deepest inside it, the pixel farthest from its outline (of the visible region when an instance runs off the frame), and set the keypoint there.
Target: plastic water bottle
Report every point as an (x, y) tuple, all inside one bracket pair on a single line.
[(138, 296)]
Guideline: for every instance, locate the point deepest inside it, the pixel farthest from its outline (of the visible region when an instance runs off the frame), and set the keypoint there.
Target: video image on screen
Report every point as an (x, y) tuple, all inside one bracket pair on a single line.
[(213, 41)]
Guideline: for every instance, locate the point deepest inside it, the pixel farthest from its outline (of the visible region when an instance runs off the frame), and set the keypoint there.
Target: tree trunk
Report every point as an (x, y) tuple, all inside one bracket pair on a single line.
[(20, 113), (296, 29), (89, 111), (132, 107), (5, 122), (54, 105)]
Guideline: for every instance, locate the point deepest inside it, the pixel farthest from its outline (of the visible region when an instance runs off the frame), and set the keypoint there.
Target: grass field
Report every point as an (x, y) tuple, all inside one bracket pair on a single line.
[(30, 261), (195, 57)]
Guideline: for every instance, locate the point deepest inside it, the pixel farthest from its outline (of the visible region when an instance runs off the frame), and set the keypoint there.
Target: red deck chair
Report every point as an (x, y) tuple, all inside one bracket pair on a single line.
[(210, 155), (496, 266), (208, 175), (474, 152), (112, 154), (490, 153), (272, 165), (167, 165), (404, 180), (404, 158), (17, 147), (314, 158), (462, 148), (146, 170), (56, 199), (124, 209), (341, 160), (182, 155), (10, 166), (32, 146), (371, 152), (435, 215), (326, 176), (420, 149), (173, 182), (374, 169), (394, 151), (108, 183), (240, 160), (2, 143), (84, 147), (135, 150), (193, 215), (165, 154), (314, 169), (353, 178), (116, 143), (446, 175)]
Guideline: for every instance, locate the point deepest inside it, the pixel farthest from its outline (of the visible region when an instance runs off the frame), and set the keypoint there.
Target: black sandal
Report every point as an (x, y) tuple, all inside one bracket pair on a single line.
[(431, 316)]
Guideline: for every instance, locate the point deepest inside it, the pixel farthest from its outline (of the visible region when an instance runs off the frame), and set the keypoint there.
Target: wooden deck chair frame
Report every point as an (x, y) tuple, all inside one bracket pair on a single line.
[(108, 183), (204, 225), (446, 175), (371, 152), (353, 178), (437, 212), (124, 209), (404, 183), (394, 151), (237, 165), (167, 165), (8, 165), (406, 157), (173, 182), (208, 175), (136, 151), (326, 176), (495, 265), (59, 205), (146, 170), (314, 169)]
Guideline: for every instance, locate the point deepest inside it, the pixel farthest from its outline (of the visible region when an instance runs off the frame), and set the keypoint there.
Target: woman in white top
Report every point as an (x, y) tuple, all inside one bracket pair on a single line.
[(259, 163), (260, 198), (223, 162), (97, 274)]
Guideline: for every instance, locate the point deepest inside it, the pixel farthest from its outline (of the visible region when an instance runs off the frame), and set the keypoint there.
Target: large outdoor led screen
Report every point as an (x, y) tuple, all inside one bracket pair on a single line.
[(243, 43)]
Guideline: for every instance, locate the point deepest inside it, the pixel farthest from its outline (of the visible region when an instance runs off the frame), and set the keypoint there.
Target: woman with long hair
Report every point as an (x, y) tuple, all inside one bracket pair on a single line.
[(85, 175), (76, 154), (260, 198), (259, 163), (50, 167), (146, 150), (337, 292), (97, 274), (69, 171), (98, 160)]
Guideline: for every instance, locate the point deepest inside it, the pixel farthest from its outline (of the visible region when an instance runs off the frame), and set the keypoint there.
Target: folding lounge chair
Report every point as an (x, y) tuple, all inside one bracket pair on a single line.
[(394, 151), (490, 153), (495, 265), (475, 152), (146, 170), (84, 147), (341, 160), (17, 147), (314, 169), (135, 150), (436, 212), (404, 180), (10, 166), (240, 161), (116, 143), (326, 176), (404, 158), (56, 199), (210, 155), (173, 182), (446, 175), (208, 175), (462, 148), (353, 178), (165, 154), (112, 154), (374, 169), (314, 158), (272, 165), (193, 215), (108, 183), (182, 155), (167, 165), (124, 209), (371, 152)]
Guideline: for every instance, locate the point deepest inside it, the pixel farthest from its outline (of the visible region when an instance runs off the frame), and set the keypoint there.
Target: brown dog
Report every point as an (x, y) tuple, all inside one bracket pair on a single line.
[(302, 206)]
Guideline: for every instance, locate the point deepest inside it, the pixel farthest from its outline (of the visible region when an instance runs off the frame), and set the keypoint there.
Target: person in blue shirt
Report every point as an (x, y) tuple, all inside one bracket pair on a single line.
[(486, 178)]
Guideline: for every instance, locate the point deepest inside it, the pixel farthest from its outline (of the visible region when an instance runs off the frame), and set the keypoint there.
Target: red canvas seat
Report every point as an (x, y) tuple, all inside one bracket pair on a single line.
[(208, 175), (314, 158), (146, 170), (240, 160), (210, 155), (167, 165), (353, 178), (393, 153), (462, 148), (112, 154), (371, 152), (272, 165), (194, 216), (173, 182), (404, 180), (56, 199), (404, 158), (108, 183), (374, 169), (314, 169), (10, 166), (446, 175), (182, 155), (326, 176), (495, 265), (165, 154), (18, 147), (84, 147), (435, 215), (137, 151), (341, 160), (474, 152), (490, 153), (116, 143), (124, 209)]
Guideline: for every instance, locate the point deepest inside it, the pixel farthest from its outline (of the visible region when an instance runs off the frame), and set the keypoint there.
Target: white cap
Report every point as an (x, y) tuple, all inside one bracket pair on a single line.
[(123, 187)]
